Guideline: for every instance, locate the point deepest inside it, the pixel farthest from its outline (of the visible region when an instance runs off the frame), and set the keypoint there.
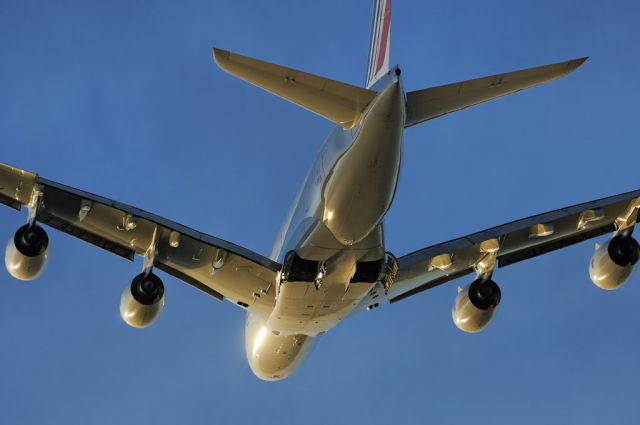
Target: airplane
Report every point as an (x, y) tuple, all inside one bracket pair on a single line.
[(329, 260)]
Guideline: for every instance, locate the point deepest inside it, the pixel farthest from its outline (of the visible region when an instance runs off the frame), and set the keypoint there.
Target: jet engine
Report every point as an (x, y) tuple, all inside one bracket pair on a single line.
[(26, 253), (612, 264), (142, 301), (475, 305)]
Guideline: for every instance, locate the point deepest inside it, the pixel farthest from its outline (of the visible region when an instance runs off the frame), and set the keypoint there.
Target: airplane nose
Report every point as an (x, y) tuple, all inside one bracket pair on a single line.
[(274, 357)]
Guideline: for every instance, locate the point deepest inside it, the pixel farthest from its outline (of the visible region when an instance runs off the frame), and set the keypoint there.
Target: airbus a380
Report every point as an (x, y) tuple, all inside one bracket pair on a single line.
[(329, 259)]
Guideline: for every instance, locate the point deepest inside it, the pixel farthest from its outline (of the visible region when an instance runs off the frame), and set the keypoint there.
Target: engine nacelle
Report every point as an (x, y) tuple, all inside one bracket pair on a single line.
[(612, 264), (475, 305), (142, 301), (26, 253)]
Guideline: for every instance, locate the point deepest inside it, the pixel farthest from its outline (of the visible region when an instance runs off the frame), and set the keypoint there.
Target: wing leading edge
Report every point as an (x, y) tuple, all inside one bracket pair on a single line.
[(517, 241), (215, 266)]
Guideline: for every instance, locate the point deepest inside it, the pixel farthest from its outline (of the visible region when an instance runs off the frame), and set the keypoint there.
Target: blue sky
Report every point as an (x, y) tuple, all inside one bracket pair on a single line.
[(123, 99)]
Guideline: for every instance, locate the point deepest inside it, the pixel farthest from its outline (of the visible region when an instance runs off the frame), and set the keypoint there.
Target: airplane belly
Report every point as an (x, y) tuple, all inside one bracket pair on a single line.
[(303, 309), (313, 307), (360, 187)]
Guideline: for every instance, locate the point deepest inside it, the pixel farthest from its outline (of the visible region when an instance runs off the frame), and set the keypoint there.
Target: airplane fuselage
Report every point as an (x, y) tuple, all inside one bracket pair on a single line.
[(336, 221)]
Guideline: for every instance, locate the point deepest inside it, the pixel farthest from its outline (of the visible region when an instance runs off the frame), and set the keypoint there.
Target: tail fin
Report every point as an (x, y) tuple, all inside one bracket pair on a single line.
[(379, 44)]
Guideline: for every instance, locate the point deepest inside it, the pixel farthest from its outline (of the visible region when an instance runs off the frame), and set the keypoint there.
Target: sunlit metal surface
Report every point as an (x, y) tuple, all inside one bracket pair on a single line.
[(136, 314), (466, 316), (271, 356), (334, 231), (605, 273), (23, 267)]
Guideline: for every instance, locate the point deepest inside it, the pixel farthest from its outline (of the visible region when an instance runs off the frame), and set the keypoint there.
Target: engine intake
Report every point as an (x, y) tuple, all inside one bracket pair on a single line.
[(142, 301), (475, 305), (27, 252), (612, 264)]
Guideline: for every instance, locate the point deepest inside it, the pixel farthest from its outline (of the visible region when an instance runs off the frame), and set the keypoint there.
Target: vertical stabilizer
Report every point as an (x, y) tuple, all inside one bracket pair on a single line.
[(379, 45)]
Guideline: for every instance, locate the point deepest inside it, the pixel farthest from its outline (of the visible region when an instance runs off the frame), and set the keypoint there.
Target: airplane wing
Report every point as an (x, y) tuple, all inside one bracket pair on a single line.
[(515, 241), (215, 266)]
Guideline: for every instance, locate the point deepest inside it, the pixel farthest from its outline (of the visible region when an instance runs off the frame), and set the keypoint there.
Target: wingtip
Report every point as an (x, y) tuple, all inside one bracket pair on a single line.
[(575, 63), (219, 55)]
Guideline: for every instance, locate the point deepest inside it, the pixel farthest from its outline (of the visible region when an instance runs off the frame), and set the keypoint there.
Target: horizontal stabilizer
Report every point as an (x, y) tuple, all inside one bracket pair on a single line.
[(423, 105), (338, 102)]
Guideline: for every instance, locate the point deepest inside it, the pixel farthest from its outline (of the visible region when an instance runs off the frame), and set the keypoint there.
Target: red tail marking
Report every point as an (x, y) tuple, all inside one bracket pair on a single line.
[(382, 52)]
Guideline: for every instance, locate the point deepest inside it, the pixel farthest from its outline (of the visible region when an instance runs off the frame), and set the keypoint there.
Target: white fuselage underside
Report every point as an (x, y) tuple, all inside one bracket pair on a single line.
[(336, 219)]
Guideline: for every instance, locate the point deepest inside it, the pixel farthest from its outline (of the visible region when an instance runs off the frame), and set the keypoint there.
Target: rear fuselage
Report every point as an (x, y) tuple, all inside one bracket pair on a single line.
[(336, 221)]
